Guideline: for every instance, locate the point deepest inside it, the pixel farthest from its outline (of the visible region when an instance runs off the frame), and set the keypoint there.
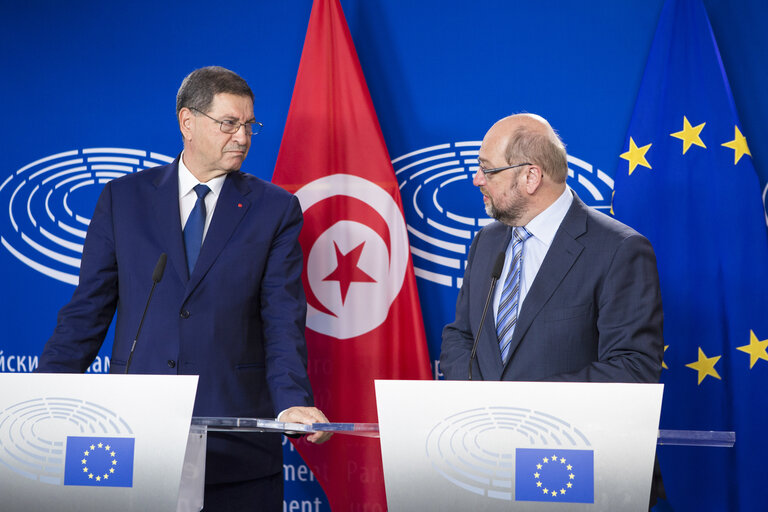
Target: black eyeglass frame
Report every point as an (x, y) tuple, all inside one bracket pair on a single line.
[(251, 128), (499, 169)]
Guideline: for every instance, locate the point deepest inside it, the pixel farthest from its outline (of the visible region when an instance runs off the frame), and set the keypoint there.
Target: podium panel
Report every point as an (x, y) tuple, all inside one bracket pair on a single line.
[(76, 443), (488, 446)]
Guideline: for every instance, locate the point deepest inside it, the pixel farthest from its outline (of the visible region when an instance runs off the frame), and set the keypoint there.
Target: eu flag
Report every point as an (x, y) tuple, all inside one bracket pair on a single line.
[(99, 461), (686, 181), (554, 475)]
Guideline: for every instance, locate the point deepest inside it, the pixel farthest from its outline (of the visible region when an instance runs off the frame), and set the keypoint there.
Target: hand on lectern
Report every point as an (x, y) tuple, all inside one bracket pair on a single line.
[(307, 416)]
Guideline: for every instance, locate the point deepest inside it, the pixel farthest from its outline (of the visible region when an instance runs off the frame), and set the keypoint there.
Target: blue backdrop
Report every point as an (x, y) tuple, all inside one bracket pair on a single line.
[(89, 88)]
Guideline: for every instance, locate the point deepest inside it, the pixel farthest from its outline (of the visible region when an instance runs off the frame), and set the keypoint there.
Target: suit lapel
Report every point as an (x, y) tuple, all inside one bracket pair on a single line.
[(230, 210), (488, 347), (168, 225), (561, 256)]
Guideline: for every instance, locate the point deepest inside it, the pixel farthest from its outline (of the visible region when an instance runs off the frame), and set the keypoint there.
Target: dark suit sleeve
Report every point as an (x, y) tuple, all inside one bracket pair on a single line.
[(457, 336), (82, 323), (629, 319), (284, 311)]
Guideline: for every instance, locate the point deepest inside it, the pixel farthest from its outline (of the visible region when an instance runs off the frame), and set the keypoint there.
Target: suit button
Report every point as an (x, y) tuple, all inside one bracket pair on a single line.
[(171, 363), (184, 314)]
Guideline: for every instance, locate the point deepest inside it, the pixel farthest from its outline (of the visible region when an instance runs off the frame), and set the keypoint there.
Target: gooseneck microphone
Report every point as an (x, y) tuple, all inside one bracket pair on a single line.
[(157, 275), (495, 274)]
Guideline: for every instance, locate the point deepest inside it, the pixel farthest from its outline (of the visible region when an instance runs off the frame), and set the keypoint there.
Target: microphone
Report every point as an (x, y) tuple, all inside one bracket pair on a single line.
[(157, 275), (495, 274)]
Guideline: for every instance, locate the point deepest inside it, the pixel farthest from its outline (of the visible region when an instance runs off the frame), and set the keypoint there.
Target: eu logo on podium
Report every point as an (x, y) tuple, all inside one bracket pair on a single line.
[(99, 461), (554, 475)]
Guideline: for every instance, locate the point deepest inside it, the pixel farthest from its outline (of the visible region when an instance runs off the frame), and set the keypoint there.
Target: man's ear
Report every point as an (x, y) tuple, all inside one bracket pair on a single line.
[(186, 123), (533, 179)]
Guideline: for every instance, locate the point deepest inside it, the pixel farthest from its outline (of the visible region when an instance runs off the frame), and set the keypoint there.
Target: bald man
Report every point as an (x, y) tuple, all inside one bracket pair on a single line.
[(578, 297)]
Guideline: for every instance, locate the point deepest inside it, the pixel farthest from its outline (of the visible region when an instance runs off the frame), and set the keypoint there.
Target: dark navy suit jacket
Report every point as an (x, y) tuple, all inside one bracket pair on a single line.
[(592, 314), (237, 321)]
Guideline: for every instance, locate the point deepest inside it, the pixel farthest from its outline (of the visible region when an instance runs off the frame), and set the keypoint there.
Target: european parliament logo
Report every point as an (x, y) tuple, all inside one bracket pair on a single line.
[(66, 441), (479, 450), (48, 203), (444, 211), (99, 461)]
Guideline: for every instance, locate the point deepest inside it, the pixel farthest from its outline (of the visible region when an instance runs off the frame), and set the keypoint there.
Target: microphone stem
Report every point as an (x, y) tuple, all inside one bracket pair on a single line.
[(480, 329), (141, 323)]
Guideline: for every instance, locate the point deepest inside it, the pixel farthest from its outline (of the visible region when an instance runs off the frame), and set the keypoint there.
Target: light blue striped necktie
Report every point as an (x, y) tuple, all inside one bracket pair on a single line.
[(193, 229), (506, 317)]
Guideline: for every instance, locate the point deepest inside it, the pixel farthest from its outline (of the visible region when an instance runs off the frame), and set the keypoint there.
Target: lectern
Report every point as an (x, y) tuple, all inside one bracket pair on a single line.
[(81, 443), (75, 443)]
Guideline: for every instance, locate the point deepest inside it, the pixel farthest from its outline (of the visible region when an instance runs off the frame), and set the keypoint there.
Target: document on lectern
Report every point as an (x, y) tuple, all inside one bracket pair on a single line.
[(493, 446), (93, 442)]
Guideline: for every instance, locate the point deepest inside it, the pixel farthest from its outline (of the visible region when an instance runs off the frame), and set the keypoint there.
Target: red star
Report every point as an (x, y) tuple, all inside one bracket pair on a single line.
[(347, 271)]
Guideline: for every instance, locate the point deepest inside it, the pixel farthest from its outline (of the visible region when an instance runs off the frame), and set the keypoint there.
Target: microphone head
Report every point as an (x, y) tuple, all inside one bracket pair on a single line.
[(498, 265), (157, 275)]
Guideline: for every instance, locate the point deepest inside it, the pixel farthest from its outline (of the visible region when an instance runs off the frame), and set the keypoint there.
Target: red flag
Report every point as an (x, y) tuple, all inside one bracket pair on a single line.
[(364, 319)]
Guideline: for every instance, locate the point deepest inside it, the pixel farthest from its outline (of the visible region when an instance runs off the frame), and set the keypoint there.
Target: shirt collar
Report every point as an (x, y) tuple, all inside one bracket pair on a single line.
[(545, 225), (187, 180)]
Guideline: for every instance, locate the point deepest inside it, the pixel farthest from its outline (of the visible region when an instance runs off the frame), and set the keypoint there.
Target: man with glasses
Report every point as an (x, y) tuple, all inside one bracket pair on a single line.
[(230, 306), (578, 295)]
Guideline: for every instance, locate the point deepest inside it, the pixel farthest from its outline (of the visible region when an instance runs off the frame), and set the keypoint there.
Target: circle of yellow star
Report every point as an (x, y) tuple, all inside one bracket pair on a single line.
[(663, 364), (689, 135), (756, 349), (738, 145), (705, 366), (636, 156)]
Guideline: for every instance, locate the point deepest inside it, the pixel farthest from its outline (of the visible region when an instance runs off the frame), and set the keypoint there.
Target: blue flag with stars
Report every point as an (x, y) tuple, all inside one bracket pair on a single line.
[(99, 461), (686, 181), (552, 475)]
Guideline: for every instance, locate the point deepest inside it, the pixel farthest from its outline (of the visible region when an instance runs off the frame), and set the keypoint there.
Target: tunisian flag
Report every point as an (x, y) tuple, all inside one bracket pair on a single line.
[(363, 319)]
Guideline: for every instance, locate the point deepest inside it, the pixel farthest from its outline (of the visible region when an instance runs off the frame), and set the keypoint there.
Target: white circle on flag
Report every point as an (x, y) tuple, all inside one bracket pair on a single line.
[(352, 270)]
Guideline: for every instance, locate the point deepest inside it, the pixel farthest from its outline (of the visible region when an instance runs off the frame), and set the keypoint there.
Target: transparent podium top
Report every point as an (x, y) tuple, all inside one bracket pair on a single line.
[(269, 425), (666, 437)]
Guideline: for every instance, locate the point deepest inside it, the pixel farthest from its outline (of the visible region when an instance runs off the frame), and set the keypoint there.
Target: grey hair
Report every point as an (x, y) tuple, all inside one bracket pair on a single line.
[(543, 149), (200, 86)]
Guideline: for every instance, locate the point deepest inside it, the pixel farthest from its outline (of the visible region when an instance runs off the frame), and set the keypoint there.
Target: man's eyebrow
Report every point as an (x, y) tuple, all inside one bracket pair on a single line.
[(235, 118)]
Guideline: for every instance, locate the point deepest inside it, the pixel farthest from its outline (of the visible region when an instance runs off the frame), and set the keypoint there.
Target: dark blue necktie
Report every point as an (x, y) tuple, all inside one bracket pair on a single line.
[(193, 229)]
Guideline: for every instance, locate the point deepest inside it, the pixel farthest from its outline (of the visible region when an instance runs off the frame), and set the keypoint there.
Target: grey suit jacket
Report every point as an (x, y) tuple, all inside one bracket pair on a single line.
[(592, 314)]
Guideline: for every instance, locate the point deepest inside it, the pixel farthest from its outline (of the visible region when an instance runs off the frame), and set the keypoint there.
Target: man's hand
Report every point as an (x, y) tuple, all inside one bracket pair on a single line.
[(306, 416)]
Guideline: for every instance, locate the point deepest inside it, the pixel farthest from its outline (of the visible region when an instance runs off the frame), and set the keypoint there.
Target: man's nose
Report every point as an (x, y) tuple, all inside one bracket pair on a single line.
[(240, 136), (478, 179)]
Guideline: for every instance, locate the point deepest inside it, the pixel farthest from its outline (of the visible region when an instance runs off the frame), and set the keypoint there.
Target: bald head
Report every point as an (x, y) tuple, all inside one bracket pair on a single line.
[(522, 170), (529, 138)]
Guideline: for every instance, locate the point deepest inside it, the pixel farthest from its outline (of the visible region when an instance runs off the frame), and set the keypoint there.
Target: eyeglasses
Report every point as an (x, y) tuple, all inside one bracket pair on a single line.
[(229, 126), (499, 169)]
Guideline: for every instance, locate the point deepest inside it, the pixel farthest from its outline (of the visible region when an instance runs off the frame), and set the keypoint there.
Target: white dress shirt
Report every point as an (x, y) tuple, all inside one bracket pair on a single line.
[(188, 197), (542, 228)]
